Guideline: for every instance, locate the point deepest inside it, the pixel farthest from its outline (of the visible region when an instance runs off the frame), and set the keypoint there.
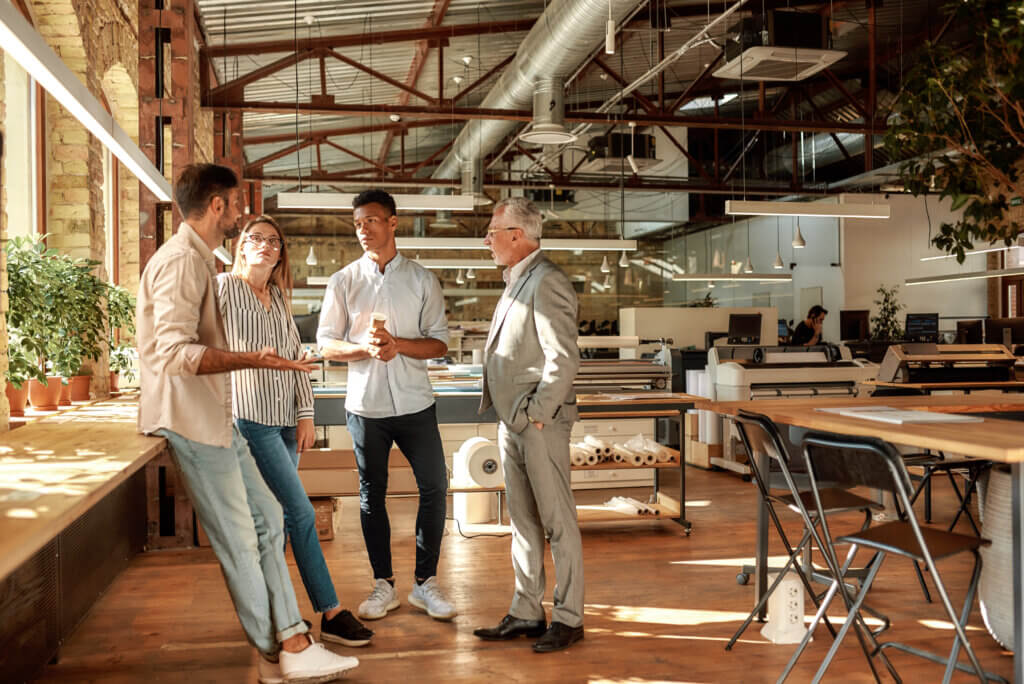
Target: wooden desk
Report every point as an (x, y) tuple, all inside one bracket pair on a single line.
[(929, 387), (994, 439)]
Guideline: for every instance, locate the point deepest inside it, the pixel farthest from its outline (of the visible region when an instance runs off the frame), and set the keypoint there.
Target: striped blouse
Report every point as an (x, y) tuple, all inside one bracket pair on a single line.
[(263, 395)]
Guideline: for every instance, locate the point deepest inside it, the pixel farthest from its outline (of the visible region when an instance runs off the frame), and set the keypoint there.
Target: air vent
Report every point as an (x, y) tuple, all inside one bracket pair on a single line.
[(778, 63), (607, 153)]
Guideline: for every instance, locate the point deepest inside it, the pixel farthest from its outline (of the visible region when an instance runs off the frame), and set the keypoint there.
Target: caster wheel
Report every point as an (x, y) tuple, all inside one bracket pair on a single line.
[(742, 578)]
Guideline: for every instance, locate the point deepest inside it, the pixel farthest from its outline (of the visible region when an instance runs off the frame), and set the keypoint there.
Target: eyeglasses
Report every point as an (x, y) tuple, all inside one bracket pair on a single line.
[(255, 239), (492, 231)]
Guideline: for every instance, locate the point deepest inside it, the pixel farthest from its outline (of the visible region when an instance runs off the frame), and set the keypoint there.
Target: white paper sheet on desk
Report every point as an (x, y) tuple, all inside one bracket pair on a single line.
[(888, 414)]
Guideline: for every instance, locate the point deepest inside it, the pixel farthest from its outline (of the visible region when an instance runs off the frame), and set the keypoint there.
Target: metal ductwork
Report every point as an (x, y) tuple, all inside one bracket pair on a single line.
[(559, 42), (818, 151)]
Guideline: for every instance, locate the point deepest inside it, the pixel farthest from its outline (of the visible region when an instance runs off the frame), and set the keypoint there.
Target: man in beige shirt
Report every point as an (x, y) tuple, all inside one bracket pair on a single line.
[(186, 398)]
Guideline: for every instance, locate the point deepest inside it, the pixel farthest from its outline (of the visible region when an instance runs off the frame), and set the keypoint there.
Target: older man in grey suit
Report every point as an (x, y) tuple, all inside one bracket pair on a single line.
[(530, 363)]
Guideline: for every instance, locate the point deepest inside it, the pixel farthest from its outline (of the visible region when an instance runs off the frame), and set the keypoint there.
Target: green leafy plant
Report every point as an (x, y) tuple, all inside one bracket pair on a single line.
[(55, 306), (121, 358), (885, 325), (960, 123), (21, 366), (120, 317)]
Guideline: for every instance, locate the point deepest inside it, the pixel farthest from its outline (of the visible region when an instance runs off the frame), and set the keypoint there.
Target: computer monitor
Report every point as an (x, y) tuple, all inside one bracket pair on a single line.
[(783, 328), (307, 325), (854, 324), (1008, 331), (745, 328), (922, 327), (969, 332)]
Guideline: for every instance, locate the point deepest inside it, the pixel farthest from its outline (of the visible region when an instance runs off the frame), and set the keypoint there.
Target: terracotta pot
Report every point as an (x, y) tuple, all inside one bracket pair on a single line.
[(45, 397), (65, 394), (17, 398), (80, 387), (113, 381)]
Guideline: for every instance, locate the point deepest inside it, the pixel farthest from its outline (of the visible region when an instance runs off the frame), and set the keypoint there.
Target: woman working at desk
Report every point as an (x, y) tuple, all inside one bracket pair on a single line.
[(274, 410)]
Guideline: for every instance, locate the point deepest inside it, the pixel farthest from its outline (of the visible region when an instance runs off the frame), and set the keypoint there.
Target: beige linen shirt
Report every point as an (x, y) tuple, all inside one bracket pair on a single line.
[(176, 319)]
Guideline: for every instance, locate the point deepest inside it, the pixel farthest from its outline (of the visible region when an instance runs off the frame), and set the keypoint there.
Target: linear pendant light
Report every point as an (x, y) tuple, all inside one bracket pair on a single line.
[(814, 209), (343, 200), (733, 277), (975, 275), (23, 43), (560, 244), (468, 264), (973, 251)]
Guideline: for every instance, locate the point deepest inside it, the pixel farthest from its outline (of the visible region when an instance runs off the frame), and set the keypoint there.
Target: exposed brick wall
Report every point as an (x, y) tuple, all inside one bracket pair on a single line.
[(5, 409)]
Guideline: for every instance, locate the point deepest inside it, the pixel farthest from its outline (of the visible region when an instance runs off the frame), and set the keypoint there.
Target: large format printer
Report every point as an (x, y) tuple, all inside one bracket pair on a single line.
[(741, 372), (756, 372)]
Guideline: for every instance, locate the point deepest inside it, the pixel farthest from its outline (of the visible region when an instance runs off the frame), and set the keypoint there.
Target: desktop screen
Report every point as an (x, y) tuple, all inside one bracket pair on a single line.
[(745, 328), (922, 327), (997, 329), (969, 332), (853, 324), (783, 328)]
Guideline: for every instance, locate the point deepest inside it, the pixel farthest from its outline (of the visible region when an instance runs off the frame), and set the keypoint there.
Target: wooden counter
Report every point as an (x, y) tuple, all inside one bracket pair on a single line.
[(56, 468)]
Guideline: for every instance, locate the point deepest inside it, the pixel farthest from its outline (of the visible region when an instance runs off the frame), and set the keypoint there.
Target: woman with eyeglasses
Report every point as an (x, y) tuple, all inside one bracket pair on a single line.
[(274, 410)]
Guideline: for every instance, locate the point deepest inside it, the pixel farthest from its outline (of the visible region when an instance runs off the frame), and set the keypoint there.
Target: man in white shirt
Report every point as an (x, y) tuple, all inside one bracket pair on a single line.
[(388, 397), (186, 398)]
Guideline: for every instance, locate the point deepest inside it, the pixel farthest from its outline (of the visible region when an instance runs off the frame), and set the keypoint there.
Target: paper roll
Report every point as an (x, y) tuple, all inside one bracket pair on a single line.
[(650, 458), (477, 462), (577, 455), (603, 447), (593, 458)]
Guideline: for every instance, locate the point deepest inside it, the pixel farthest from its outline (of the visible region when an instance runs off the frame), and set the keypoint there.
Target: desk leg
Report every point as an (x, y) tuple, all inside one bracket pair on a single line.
[(1017, 505), (761, 551), (682, 473)]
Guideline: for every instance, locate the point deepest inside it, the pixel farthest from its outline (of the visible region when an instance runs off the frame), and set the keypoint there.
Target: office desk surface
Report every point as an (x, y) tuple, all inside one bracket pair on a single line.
[(992, 438), (54, 469), (1003, 385)]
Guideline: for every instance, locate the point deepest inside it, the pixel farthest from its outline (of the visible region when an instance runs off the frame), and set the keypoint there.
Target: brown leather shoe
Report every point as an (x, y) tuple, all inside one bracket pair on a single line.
[(558, 637), (511, 627)]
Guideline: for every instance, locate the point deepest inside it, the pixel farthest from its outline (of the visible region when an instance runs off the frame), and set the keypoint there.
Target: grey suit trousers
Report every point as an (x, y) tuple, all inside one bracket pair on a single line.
[(540, 504)]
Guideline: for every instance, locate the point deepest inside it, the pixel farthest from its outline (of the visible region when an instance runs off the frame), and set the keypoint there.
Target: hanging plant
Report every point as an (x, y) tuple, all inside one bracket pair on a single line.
[(960, 120)]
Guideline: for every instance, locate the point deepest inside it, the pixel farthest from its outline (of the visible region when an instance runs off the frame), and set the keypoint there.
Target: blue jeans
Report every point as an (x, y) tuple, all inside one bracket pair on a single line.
[(243, 522), (416, 434), (275, 451)]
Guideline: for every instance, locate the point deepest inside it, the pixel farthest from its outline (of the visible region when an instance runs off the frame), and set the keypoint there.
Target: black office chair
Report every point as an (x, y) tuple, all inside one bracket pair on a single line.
[(761, 438), (871, 462)]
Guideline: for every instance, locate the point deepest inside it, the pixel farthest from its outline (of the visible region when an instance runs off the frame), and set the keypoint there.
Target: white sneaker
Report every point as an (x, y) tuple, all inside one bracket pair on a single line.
[(381, 600), (429, 597), (315, 664), (269, 672)]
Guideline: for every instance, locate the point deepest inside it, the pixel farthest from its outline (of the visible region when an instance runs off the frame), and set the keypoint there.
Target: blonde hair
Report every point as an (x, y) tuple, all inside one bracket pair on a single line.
[(282, 273)]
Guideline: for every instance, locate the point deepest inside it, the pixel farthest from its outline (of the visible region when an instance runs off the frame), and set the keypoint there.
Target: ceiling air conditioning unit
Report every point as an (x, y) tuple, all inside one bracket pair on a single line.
[(789, 46), (607, 153)]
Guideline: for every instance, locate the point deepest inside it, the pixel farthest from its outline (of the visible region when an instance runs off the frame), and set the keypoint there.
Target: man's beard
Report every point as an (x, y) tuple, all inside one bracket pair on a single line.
[(232, 230)]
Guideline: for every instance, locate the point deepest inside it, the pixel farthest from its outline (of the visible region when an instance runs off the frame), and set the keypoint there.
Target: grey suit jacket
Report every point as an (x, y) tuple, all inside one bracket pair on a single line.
[(531, 357)]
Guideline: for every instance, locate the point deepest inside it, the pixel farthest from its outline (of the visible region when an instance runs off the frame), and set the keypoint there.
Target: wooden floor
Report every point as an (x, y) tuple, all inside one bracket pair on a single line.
[(659, 608)]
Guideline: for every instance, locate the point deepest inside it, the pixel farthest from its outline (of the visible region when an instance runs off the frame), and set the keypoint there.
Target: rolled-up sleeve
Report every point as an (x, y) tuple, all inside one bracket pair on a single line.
[(176, 295), (433, 322), (333, 314)]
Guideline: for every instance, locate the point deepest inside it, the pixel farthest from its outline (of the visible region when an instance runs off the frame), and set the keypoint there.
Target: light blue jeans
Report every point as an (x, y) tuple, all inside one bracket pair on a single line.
[(245, 527), (275, 451)]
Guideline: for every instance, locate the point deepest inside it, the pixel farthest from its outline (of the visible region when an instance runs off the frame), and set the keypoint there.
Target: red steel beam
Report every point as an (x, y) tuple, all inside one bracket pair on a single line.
[(353, 153), (348, 130), (378, 75), (415, 69), (378, 38)]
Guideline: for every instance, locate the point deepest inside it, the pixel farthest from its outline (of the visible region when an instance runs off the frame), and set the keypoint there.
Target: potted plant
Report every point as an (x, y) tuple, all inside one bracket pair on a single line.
[(81, 321), (31, 316), (120, 320), (20, 369), (885, 325)]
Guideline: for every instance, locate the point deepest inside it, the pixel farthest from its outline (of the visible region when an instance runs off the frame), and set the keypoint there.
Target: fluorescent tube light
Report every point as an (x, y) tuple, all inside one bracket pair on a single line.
[(733, 277), (553, 244), (22, 42), (973, 251), (817, 209), (974, 275), (457, 263), (343, 200)]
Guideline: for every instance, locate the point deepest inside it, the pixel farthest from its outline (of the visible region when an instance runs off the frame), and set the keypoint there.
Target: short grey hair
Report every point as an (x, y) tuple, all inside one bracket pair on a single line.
[(524, 214)]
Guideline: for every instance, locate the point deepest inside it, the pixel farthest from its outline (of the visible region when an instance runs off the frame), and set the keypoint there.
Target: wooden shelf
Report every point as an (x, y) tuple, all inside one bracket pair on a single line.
[(591, 513)]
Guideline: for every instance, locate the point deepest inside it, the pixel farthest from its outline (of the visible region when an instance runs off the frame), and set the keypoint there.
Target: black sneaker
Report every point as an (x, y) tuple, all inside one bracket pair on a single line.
[(344, 629)]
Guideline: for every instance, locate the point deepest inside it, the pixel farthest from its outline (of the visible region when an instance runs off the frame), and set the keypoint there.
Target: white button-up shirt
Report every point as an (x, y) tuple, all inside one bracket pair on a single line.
[(411, 297)]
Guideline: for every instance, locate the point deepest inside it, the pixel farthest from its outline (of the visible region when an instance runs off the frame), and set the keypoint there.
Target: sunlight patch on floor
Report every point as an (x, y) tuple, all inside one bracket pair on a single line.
[(945, 625)]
